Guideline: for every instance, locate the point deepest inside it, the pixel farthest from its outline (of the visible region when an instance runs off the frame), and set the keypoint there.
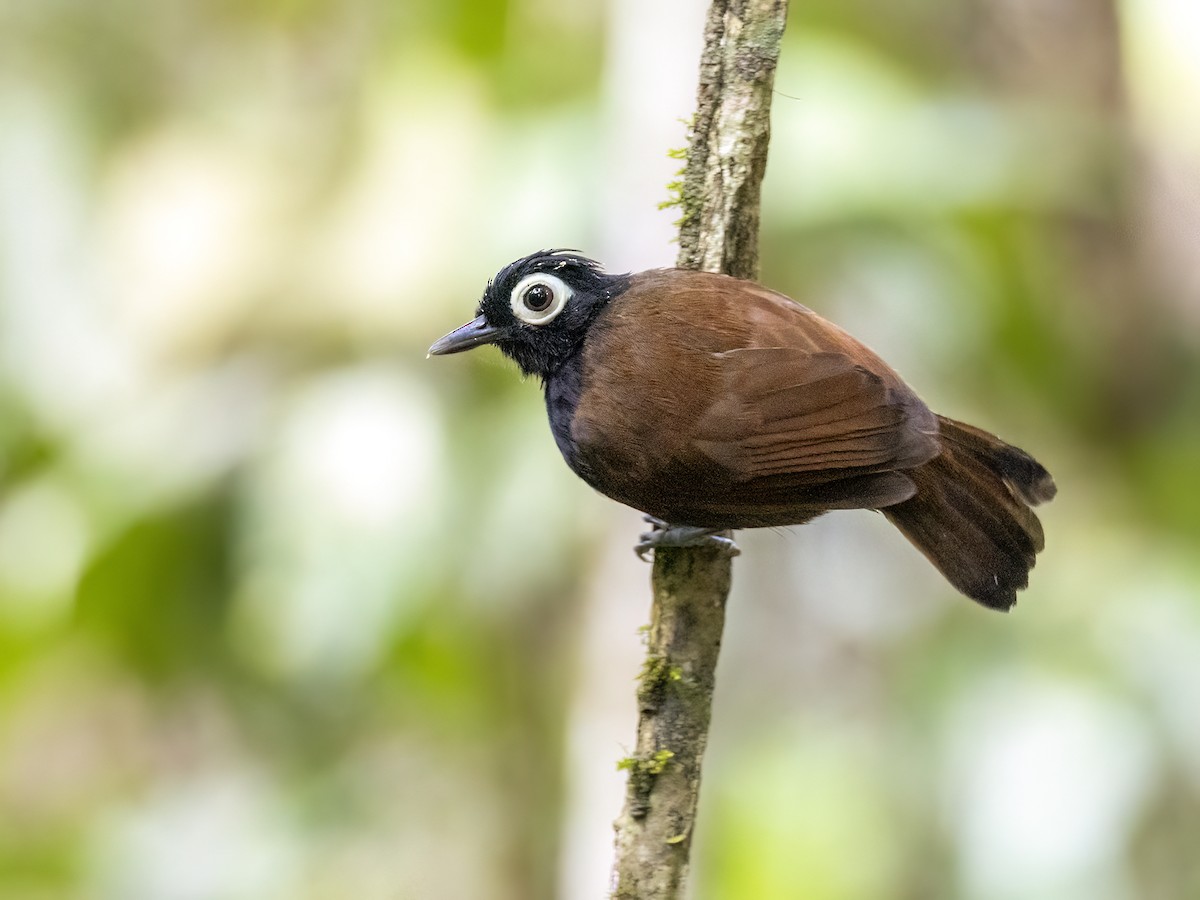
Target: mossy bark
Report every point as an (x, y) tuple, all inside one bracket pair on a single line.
[(674, 700), (727, 156), (720, 196)]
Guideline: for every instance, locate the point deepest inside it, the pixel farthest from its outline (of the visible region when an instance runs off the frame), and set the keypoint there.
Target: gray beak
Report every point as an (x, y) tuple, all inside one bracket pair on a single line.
[(473, 334)]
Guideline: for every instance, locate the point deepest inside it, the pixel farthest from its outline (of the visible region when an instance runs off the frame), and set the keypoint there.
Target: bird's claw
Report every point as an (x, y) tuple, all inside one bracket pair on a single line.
[(664, 534)]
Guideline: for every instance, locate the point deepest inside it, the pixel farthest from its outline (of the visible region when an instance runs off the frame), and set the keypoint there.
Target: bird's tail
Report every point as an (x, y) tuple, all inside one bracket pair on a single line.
[(972, 516)]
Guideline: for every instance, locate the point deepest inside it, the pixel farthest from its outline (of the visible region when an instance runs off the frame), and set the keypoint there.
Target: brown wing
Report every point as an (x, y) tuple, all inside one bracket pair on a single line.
[(783, 411), (713, 401)]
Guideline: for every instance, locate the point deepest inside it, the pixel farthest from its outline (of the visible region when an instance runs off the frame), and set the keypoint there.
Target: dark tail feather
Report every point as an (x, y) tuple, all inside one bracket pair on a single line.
[(971, 514)]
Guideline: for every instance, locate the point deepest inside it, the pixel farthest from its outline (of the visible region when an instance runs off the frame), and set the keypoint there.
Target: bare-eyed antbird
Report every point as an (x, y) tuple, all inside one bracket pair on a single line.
[(711, 404)]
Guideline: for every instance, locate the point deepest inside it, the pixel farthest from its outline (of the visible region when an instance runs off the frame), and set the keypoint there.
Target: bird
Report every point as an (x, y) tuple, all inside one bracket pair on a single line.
[(713, 404)]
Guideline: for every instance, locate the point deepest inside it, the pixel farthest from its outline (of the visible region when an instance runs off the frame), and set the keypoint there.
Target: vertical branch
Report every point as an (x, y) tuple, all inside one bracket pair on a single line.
[(727, 157), (728, 153)]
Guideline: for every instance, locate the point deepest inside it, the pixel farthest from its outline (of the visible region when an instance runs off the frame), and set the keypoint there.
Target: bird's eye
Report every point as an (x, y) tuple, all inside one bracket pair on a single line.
[(540, 297)]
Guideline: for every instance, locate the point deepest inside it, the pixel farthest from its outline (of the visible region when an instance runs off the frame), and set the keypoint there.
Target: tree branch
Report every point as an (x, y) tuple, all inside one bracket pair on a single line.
[(727, 157)]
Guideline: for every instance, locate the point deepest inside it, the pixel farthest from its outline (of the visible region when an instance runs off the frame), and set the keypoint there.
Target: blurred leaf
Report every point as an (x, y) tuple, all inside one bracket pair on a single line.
[(159, 593)]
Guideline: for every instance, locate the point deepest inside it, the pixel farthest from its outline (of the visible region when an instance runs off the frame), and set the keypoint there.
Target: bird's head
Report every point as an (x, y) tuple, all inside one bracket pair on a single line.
[(537, 310)]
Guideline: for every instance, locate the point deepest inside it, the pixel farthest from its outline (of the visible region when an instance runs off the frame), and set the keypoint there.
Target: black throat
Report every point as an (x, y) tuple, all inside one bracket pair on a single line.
[(563, 389)]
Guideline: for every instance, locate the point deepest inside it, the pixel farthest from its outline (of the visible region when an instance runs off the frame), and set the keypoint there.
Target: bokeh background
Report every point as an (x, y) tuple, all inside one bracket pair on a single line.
[(287, 611)]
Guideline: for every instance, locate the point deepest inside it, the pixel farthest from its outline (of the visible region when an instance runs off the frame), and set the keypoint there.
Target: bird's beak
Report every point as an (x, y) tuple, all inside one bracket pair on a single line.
[(473, 334)]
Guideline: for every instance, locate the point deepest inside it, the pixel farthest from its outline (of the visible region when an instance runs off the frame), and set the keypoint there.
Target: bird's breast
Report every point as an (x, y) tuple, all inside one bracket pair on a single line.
[(606, 427), (621, 411), (563, 390)]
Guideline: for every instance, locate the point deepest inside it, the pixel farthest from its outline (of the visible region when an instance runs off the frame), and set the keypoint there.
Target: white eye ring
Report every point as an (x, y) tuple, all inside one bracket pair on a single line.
[(560, 293)]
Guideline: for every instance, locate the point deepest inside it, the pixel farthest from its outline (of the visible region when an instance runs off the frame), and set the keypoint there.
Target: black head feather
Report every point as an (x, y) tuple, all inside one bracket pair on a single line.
[(539, 349)]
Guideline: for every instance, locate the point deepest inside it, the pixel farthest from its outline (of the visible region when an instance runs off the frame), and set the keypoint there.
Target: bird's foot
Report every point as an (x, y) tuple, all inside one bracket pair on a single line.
[(664, 534)]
